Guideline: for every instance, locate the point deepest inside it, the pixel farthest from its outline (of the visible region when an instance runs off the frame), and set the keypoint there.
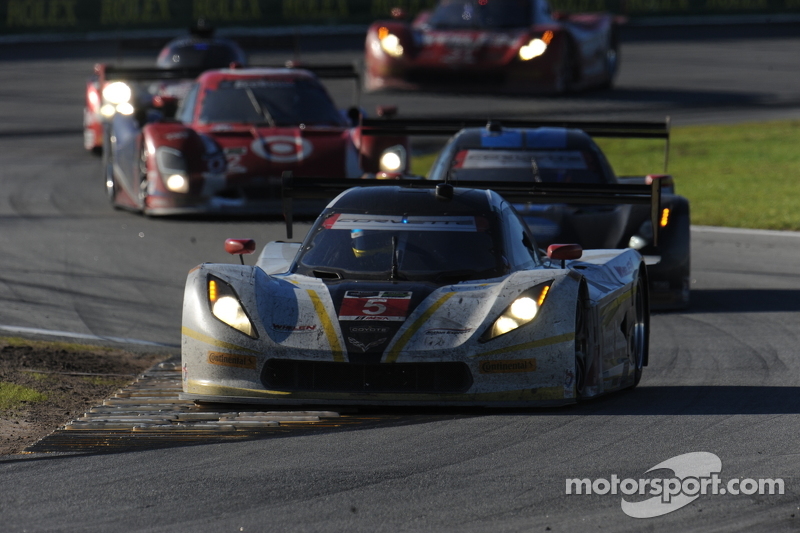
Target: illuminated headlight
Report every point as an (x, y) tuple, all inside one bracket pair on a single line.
[(521, 311), (117, 93), (534, 48), (125, 109), (637, 242), (390, 43), (172, 166), (177, 183), (226, 307), (393, 159), (108, 110)]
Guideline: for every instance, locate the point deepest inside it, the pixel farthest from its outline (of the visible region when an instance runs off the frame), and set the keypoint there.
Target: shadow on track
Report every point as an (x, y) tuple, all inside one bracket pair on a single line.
[(744, 301)]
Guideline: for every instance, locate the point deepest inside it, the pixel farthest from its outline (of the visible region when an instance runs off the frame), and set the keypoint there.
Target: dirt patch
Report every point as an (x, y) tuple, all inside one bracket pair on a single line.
[(73, 378)]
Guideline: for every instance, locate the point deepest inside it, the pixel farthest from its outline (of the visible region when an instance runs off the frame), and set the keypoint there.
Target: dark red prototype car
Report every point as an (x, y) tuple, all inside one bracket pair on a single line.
[(512, 45), (233, 136)]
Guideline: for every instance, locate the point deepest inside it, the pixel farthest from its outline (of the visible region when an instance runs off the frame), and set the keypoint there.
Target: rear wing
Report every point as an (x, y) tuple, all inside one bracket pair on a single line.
[(449, 127), (512, 191), (112, 72), (106, 72)]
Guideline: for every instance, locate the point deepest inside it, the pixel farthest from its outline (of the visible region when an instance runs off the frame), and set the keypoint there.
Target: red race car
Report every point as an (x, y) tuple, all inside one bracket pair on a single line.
[(232, 137), (512, 45), (181, 60)]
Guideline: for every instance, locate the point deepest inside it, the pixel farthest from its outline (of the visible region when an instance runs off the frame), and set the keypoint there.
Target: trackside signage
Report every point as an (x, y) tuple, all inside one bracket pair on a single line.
[(682, 480), (25, 17)]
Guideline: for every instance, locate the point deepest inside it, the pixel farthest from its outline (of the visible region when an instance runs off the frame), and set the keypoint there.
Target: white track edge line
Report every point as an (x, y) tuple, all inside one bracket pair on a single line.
[(67, 334), (746, 231)]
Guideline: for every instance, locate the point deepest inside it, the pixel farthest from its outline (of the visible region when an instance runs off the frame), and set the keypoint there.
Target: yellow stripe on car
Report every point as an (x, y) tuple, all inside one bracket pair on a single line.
[(327, 327), (394, 353), (566, 337), (202, 337)]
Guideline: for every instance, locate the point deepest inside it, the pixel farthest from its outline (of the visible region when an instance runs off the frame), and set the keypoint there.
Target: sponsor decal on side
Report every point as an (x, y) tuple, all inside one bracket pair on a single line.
[(447, 331), (294, 328), (508, 366), (229, 359)]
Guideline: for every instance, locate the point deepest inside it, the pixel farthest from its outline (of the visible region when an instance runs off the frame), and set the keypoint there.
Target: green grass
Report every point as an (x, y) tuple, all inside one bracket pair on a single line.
[(13, 396), (744, 175)]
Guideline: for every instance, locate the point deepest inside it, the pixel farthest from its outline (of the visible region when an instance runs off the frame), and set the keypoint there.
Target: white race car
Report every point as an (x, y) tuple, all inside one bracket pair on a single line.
[(412, 292)]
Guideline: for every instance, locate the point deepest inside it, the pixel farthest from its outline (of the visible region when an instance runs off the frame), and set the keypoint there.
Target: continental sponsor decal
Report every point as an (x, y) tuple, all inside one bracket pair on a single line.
[(229, 359), (509, 366), (447, 331)]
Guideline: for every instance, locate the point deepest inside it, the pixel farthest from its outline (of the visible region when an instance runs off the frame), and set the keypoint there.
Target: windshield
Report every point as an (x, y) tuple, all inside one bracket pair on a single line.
[(274, 102), (546, 166), (482, 14), (443, 249)]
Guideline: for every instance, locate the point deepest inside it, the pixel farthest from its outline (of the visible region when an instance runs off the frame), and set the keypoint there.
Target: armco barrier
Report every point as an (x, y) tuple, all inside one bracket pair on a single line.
[(28, 18)]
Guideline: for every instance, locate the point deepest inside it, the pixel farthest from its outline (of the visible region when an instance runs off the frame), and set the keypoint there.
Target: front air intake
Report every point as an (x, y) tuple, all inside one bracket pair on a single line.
[(292, 375)]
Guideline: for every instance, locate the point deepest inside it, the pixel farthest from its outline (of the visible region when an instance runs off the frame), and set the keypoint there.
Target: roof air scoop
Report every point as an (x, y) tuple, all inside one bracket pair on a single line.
[(494, 126)]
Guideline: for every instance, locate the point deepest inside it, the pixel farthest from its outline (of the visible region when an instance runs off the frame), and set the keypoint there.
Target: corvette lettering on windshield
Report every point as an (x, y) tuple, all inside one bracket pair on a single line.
[(406, 223)]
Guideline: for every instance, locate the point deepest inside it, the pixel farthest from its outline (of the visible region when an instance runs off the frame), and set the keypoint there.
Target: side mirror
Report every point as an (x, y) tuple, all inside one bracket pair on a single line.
[(664, 180), (564, 252), (354, 114), (168, 105), (386, 111), (240, 247)]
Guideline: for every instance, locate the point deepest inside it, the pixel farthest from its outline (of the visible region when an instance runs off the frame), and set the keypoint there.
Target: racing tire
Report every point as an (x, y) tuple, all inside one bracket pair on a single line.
[(565, 73), (581, 346), (143, 181), (612, 61), (108, 172), (639, 331)]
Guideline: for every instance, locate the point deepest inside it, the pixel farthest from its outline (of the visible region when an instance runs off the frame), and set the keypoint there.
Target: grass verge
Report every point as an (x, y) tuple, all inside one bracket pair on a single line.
[(743, 175)]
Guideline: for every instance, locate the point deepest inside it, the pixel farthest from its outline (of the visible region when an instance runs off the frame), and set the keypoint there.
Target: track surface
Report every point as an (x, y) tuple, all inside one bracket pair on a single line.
[(722, 379)]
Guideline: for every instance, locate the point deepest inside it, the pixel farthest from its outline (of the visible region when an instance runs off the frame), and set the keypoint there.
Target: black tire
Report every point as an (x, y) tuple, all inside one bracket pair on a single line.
[(611, 60), (639, 331), (581, 346), (108, 172), (143, 181)]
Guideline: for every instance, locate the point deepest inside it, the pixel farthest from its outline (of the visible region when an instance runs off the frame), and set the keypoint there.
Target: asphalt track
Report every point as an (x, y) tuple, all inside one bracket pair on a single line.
[(723, 376)]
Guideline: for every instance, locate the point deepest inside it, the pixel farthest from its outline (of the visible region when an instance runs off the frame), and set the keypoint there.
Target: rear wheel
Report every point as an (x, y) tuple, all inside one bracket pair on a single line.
[(638, 335), (143, 180)]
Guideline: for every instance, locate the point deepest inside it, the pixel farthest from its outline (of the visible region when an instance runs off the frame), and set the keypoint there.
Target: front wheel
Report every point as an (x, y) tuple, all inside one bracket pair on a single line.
[(581, 348), (108, 172), (143, 182)]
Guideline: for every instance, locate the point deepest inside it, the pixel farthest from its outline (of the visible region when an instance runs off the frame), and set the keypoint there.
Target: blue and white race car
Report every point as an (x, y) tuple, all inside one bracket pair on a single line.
[(411, 292)]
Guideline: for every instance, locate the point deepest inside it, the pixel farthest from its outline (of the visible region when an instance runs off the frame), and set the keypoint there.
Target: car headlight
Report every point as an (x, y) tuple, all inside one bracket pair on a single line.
[(117, 93), (227, 308), (172, 166), (390, 43), (521, 311), (534, 48), (393, 159)]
